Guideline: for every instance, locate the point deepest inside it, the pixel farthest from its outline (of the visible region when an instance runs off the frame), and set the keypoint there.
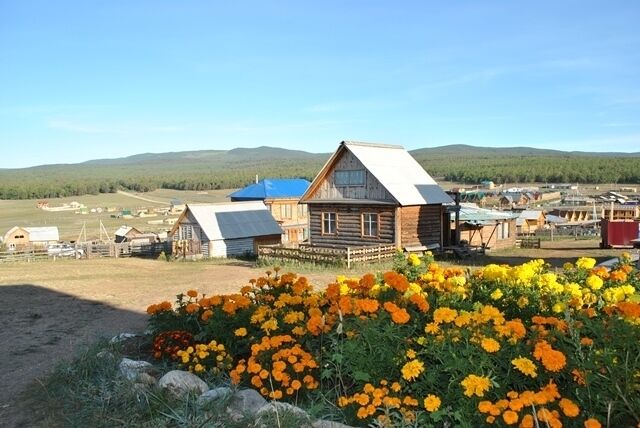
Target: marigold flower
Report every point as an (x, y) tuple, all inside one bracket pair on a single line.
[(412, 369), (240, 332), (475, 385), (592, 423), (569, 408), (585, 263), (192, 308), (510, 417), (525, 366), (490, 345), (192, 293), (431, 403)]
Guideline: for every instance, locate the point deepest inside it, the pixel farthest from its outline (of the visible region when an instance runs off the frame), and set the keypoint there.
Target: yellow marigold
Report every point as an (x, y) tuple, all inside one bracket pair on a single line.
[(240, 332), (431, 403), (490, 345), (585, 263), (497, 294), (475, 385), (412, 369), (444, 315), (414, 260), (525, 366), (594, 282)]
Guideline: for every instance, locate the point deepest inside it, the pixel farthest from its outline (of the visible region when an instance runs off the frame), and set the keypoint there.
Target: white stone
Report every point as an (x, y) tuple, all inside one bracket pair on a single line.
[(214, 394), (321, 423), (277, 409), (180, 382), (122, 337), (131, 368)]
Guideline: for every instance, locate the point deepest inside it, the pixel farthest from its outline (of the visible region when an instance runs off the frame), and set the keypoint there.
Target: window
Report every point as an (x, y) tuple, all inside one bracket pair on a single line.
[(349, 177), (185, 232), (503, 231), (302, 210), (370, 224), (329, 221), (285, 211)]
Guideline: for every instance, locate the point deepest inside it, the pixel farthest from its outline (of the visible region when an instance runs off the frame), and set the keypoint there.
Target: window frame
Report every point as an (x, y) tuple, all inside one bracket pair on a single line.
[(363, 222), (324, 214), (350, 177)]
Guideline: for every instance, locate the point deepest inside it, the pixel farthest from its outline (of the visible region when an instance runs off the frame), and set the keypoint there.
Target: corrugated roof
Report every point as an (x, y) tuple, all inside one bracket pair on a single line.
[(273, 188), (397, 171), (234, 220), (37, 234), (473, 214)]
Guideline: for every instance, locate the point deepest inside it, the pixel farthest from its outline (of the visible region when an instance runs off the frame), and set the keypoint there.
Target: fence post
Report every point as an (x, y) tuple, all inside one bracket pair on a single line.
[(379, 253), (348, 258)]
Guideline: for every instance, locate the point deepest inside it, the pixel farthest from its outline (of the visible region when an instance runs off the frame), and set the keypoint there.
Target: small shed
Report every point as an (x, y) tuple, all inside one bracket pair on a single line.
[(126, 234), (529, 221), (490, 229), (226, 229), (23, 237)]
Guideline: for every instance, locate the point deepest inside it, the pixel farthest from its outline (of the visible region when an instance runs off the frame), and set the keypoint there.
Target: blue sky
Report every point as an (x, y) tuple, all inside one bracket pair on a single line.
[(97, 79)]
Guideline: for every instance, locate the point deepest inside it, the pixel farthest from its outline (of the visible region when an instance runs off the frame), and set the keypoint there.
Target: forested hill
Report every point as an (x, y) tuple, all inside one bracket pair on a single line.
[(222, 169)]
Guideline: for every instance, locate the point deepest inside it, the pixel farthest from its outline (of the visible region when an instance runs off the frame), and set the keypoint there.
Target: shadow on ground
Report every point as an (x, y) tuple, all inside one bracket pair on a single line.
[(40, 328)]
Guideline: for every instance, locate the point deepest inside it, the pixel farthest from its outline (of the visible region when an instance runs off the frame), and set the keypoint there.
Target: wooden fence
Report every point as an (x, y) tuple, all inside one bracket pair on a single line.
[(327, 255), (27, 255), (527, 242), (89, 250)]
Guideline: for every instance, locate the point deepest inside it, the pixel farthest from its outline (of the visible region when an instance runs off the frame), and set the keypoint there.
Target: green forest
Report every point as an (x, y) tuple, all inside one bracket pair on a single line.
[(216, 169)]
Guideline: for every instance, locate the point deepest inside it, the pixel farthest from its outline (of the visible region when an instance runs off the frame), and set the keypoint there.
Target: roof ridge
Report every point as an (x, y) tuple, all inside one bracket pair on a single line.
[(364, 143)]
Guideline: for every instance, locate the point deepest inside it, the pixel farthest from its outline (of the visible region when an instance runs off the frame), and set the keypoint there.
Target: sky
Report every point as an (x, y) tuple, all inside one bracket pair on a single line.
[(83, 80)]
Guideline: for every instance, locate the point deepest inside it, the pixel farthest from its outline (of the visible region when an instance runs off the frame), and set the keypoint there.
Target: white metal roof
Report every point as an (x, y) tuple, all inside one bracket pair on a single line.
[(40, 234), (234, 219), (399, 173), (123, 230)]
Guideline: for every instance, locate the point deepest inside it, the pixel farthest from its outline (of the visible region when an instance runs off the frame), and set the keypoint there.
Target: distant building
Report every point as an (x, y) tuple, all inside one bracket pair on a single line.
[(126, 234), (529, 221), (34, 237), (281, 196), (488, 184), (223, 230)]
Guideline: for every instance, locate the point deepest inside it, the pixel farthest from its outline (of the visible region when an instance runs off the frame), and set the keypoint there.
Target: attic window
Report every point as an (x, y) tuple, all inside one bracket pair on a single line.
[(349, 177)]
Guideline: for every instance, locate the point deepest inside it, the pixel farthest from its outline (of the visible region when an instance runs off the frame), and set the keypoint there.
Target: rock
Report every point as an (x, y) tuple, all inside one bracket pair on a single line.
[(270, 413), (131, 368), (122, 337), (321, 423), (246, 402), (146, 379), (105, 355), (214, 394), (179, 383)]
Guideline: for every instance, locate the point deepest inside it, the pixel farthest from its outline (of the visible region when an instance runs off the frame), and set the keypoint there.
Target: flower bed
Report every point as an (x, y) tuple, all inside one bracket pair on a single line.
[(515, 346)]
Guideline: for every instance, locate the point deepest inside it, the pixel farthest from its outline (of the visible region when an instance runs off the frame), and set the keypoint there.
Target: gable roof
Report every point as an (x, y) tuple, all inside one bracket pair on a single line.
[(528, 215), (471, 213), (396, 170), (272, 188), (232, 220), (36, 234), (123, 230)]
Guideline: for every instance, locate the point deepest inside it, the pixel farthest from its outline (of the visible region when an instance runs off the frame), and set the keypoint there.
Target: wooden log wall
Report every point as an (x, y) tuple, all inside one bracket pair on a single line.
[(349, 225), (421, 225)]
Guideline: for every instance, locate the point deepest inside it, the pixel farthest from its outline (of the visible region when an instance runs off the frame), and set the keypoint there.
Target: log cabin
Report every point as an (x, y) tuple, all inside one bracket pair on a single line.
[(374, 194)]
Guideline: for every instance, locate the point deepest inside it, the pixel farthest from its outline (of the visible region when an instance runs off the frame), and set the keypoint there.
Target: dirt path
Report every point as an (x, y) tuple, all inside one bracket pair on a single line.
[(142, 198), (50, 309)]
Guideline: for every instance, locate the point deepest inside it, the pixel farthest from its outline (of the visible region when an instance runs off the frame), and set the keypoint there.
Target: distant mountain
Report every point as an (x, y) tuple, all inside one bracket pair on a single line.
[(215, 169)]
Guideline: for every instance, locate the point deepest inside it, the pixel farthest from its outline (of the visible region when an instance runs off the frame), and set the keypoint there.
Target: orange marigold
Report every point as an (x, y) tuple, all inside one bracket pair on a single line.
[(592, 423), (192, 293), (510, 417), (569, 408), (401, 316)]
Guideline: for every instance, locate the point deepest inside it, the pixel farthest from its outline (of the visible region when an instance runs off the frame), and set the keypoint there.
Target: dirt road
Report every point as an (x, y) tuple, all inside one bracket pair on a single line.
[(50, 309)]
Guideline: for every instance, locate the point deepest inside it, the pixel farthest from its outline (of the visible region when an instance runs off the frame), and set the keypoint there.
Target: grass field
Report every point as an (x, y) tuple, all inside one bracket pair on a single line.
[(26, 213)]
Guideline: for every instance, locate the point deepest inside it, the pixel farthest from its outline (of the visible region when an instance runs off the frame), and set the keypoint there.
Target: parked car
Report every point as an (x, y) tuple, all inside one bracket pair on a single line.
[(64, 250)]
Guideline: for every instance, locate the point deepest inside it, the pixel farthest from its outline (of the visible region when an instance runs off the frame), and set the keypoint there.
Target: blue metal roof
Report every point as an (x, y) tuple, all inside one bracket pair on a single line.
[(272, 188)]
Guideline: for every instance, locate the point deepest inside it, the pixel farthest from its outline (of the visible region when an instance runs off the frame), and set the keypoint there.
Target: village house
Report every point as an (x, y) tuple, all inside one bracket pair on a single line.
[(489, 229), (510, 200), (375, 194), (223, 230), (18, 238), (281, 196), (529, 221), (126, 234)]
